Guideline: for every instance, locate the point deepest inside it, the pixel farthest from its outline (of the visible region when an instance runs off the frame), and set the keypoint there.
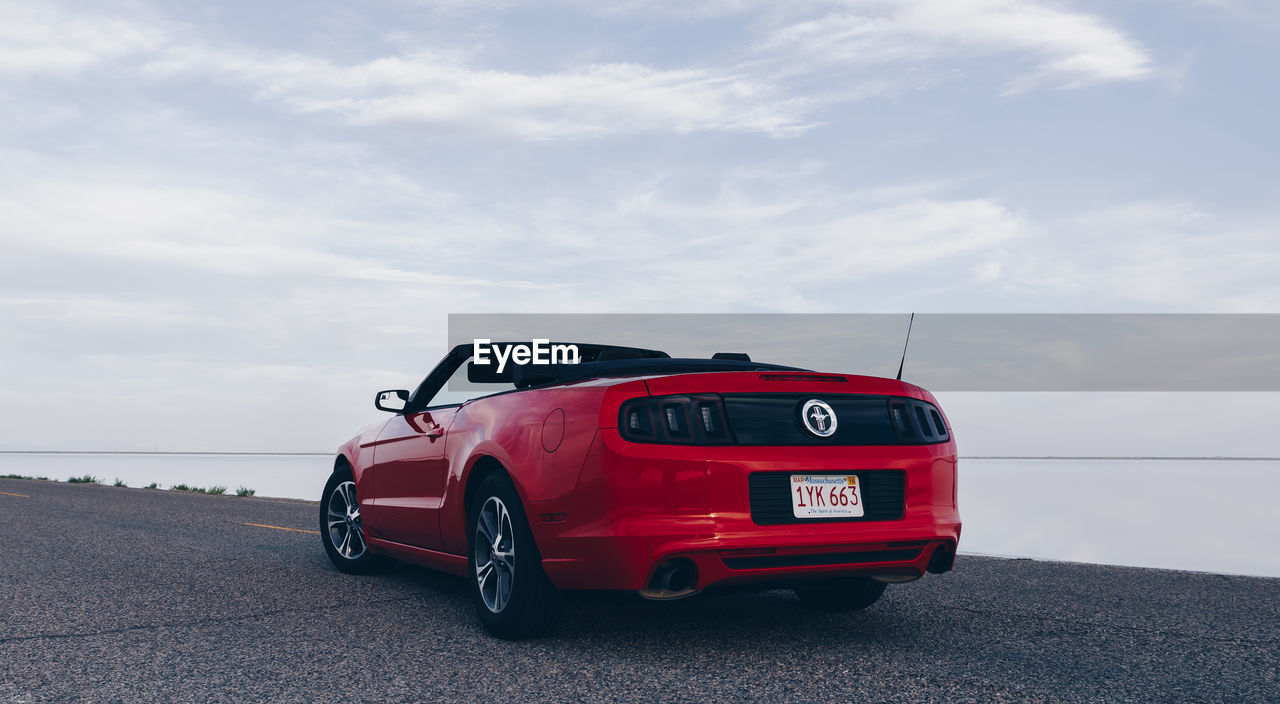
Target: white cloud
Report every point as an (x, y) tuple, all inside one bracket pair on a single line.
[(1166, 254), (438, 92), (1067, 49), (731, 243), (680, 8), (237, 230), (746, 93), (422, 88), (772, 239), (38, 40)]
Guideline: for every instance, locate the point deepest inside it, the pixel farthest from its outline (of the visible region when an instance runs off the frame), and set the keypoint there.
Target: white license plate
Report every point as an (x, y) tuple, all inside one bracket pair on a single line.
[(826, 496)]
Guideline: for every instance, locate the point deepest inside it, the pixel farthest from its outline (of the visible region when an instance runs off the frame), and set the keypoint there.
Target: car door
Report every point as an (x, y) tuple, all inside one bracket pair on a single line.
[(411, 467)]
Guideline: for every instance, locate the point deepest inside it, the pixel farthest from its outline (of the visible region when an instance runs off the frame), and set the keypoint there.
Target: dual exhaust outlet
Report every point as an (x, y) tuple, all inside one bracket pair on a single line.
[(677, 578), (674, 579)]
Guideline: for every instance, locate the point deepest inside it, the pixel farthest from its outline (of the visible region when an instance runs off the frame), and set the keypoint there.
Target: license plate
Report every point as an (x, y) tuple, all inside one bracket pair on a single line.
[(826, 496)]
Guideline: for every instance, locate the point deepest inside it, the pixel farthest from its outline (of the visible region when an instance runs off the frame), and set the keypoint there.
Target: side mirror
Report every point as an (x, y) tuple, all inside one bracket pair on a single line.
[(392, 401)]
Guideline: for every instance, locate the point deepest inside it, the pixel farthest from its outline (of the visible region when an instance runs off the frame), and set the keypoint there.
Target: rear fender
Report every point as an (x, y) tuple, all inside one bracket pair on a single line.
[(540, 437)]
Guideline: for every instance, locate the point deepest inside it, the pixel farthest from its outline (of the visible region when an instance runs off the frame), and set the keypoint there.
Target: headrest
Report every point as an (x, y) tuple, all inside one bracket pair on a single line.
[(526, 375)]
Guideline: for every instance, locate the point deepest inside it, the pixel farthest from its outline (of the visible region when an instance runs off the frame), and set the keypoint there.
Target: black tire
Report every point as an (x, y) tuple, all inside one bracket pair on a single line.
[(531, 605), (346, 548), (835, 596)]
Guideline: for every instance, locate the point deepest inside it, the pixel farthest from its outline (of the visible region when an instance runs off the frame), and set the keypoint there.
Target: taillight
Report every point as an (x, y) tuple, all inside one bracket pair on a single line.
[(637, 422), (679, 420), (917, 422)]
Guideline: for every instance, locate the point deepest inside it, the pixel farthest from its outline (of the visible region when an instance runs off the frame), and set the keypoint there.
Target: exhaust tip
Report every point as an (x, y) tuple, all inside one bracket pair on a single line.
[(674, 579), (944, 558), (896, 578)]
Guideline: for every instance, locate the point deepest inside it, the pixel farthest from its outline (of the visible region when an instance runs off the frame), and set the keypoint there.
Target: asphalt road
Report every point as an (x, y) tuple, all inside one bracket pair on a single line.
[(132, 595)]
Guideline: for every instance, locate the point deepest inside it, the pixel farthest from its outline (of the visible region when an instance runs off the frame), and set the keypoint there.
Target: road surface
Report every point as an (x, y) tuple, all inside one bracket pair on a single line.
[(133, 595)]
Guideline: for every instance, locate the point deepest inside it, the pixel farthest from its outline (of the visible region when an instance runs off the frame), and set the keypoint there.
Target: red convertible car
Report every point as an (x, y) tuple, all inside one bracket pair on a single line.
[(630, 470)]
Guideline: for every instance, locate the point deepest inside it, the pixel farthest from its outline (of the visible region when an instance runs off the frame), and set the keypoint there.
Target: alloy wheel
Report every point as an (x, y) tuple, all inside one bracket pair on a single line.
[(345, 532), (495, 554)]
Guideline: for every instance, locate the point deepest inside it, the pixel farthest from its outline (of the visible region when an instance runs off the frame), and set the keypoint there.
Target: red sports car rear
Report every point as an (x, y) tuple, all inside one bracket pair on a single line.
[(634, 471), (729, 506)]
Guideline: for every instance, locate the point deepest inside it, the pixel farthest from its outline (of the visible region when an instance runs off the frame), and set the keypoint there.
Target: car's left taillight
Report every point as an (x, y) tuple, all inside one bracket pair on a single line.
[(676, 420)]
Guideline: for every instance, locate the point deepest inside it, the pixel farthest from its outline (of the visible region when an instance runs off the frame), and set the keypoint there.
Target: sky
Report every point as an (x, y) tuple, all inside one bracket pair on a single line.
[(224, 225)]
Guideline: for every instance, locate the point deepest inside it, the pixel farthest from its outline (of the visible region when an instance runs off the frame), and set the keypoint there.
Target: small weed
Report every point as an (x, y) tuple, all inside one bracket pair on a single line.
[(86, 479), (217, 490), (153, 485), (198, 489), (118, 482), (179, 487), (245, 491), (14, 476)]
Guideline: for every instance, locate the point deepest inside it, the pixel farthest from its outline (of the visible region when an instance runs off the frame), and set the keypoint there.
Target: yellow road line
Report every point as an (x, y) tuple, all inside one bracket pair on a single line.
[(293, 530), (22, 496)]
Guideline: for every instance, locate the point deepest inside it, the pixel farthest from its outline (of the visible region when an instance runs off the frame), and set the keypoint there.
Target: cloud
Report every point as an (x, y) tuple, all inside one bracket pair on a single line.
[(68, 210), (437, 92), (1150, 254), (1067, 49), (424, 89), (747, 93), (161, 230), (39, 40), (768, 239)]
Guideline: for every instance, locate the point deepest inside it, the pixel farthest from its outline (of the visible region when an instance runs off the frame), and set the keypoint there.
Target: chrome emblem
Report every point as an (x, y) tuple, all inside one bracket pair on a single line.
[(818, 418)]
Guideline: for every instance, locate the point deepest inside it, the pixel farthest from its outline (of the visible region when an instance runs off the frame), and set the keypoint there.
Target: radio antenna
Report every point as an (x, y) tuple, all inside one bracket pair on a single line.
[(904, 346)]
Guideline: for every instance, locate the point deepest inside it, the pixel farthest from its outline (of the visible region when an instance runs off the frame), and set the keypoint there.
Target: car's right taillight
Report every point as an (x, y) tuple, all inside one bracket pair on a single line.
[(917, 422)]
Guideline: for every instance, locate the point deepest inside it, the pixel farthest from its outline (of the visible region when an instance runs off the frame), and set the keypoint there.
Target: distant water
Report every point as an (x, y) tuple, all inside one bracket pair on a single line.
[(289, 476), (1203, 515)]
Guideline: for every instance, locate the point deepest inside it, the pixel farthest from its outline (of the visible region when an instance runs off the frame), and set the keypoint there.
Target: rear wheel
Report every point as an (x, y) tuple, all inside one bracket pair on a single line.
[(851, 594), (341, 529), (513, 597)]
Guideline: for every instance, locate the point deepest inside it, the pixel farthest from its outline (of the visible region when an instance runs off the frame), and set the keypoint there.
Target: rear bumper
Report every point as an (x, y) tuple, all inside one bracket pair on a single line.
[(639, 506), (767, 555)]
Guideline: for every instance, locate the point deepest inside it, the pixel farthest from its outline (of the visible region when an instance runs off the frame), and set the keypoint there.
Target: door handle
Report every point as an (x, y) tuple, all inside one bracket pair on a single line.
[(434, 431)]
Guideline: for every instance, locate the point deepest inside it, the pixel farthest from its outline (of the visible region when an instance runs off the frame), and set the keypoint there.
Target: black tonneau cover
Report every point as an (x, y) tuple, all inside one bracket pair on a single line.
[(538, 375)]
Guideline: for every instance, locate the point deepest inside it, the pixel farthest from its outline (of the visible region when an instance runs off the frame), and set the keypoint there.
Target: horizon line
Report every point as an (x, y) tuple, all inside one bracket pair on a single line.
[(329, 454)]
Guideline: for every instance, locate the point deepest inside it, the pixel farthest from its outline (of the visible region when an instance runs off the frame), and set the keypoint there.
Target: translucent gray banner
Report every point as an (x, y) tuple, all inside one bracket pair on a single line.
[(948, 352)]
